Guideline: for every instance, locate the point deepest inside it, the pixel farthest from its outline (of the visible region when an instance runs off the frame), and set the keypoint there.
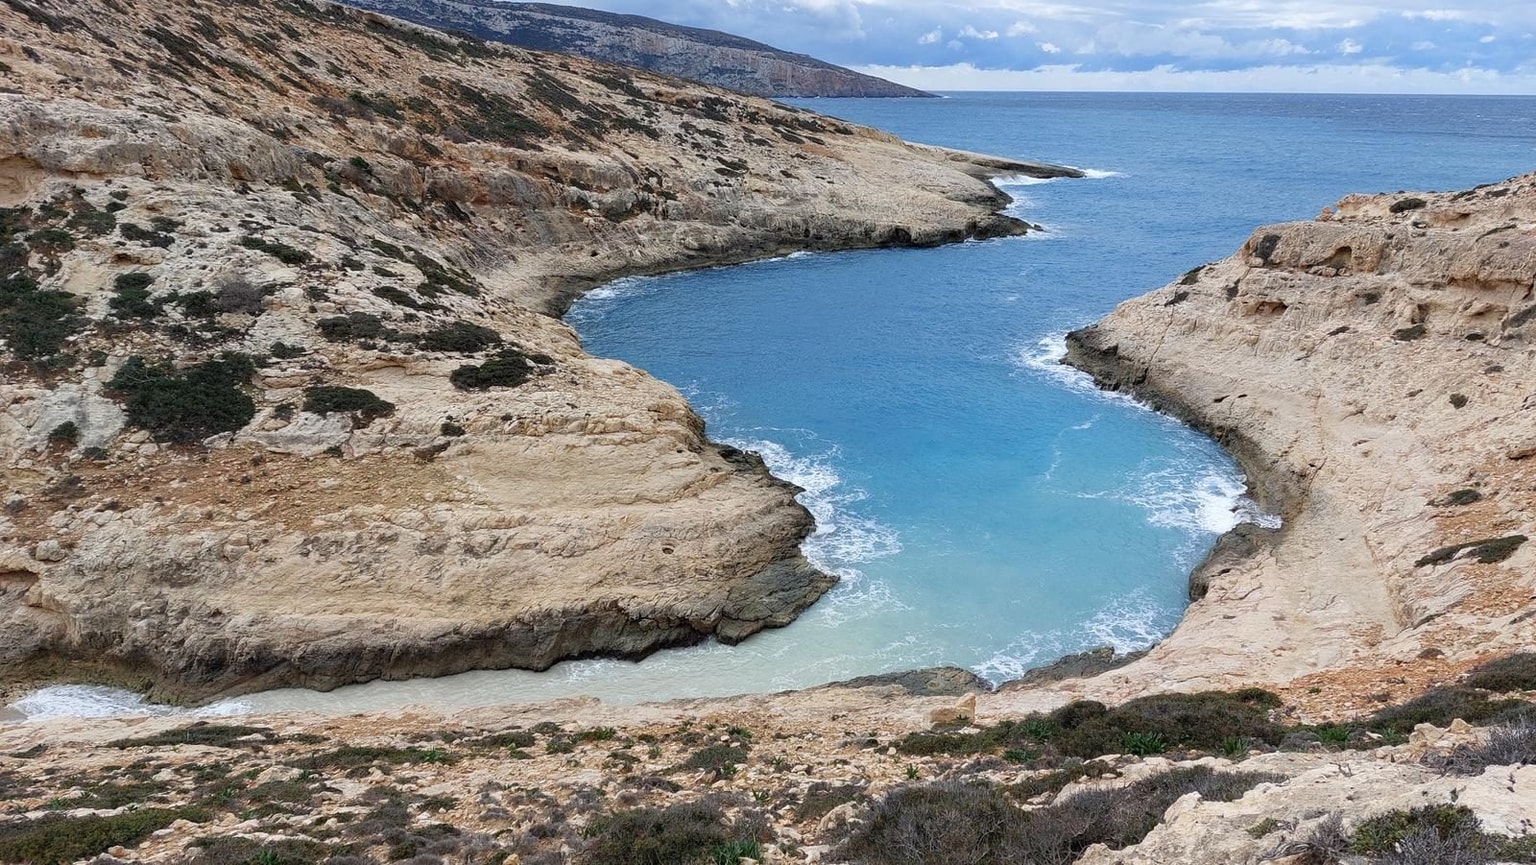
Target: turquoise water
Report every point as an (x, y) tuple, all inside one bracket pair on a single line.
[(986, 507)]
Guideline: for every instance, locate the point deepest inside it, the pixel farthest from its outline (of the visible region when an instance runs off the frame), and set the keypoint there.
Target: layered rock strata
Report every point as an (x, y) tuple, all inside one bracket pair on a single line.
[(282, 404)]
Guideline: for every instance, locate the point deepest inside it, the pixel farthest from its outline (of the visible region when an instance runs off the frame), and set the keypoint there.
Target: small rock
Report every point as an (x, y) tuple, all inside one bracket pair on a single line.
[(50, 551)]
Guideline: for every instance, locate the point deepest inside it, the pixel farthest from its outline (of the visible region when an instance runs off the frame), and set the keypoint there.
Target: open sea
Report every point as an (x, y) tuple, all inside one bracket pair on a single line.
[(984, 506)]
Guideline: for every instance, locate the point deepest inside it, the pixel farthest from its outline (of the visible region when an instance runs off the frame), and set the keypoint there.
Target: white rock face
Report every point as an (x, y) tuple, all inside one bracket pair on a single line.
[(1373, 372)]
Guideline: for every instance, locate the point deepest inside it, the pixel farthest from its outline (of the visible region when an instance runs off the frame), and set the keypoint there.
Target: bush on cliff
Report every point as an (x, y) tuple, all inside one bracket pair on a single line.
[(365, 406), (185, 406), (509, 367)]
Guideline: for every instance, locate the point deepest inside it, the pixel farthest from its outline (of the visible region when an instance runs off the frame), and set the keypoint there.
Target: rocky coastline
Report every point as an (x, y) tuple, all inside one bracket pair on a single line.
[(285, 401)]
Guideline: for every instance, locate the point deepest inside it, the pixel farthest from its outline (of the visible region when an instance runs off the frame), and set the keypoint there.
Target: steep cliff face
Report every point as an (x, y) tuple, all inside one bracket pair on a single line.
[(1373, 370), (280, 402), (707, 56)]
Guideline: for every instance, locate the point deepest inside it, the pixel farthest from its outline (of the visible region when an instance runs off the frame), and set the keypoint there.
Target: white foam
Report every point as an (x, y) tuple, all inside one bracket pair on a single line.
[(1130, 624), (1098, 174), (1019, 180), (842, 540), (96, 701), (1213, 502)]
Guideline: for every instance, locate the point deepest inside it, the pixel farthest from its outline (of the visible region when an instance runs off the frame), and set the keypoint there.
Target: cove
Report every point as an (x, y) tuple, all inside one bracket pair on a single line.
[(986, 507)]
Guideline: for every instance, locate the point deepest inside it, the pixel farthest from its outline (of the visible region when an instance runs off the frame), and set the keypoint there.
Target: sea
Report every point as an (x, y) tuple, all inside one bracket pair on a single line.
[(984, 506)]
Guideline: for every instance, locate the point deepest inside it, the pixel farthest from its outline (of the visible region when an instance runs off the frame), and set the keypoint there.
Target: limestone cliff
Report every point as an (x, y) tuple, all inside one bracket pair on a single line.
[(707, 56), (281, 402), (1372, 369)]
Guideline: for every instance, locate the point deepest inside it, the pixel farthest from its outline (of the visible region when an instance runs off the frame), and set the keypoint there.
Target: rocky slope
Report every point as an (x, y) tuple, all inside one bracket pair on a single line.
[(708, 56), (828, 775), (1372, 369), (281, 404)]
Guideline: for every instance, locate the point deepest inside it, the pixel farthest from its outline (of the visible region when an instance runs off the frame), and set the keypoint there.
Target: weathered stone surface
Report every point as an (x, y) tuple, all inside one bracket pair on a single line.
[(1370, 370)]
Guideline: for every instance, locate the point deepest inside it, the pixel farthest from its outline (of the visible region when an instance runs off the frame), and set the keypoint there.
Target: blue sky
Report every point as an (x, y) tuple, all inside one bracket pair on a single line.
[(1273, 45)]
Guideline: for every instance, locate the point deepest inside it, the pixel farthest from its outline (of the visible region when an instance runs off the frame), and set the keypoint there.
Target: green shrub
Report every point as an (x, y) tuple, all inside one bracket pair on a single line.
[(66, 433), (189, 405), (200, 733), (280, 251), (1403, 205), (1515, 672), (1408, 334), (717, 757), (976, 823), (356, 327), (1487, 552), (283, 351), (364, 405), (460, 336), (692, 833), (61, 840), (1382, 833), (450, 429), (1203, 720), (1440, 706), (509, 367), (130, 296), (35, 323), (140, 234)]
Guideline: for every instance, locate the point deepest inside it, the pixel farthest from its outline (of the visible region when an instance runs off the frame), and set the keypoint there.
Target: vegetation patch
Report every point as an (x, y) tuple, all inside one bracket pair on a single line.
[(509, 367), (280, 251), (200, 733), (1440, 706), (131, 298), (693, 833), (358, 327), (1515, 672), (1403, 205), (977, 823), (365, 406), (61, 840), (185, 406), (1487, 552), (460, 336)]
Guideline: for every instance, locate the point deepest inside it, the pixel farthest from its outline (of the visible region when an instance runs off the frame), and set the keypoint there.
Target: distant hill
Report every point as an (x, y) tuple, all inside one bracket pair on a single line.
[(707, 56)]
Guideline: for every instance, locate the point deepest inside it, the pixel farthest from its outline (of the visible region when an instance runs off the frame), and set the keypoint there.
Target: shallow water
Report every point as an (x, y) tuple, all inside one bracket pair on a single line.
[(985, 506)]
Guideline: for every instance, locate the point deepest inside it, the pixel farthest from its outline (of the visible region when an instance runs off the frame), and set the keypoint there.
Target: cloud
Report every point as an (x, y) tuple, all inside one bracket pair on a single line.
[(1465, 43)]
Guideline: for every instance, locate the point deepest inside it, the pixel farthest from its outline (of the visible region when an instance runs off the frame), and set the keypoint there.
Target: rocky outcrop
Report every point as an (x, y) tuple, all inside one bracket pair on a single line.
[(1372, 371), (706, 56), (281, 402)]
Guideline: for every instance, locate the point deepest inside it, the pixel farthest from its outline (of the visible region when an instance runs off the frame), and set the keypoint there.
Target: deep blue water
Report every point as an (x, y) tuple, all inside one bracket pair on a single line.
[(987, 508)]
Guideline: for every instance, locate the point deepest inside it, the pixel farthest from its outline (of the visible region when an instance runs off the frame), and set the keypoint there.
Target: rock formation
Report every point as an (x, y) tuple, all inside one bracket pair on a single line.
[(282, 403), (706, 56), (1372, 370)]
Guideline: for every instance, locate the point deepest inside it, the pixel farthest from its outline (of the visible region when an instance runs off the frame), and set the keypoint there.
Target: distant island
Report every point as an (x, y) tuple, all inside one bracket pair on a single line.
[(706, 56)]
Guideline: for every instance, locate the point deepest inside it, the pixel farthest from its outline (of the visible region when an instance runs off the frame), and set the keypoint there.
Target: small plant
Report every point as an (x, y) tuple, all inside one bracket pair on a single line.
[(185, 406), (716, 757), (450, 429), (65, 434), (912, 772), (1381, 834), (1143, 744), (1403, 205)]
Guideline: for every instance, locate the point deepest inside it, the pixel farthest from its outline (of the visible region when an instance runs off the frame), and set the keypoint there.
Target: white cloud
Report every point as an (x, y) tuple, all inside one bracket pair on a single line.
[(1049, 47), (931, 36), (1350, 46), (1489, 38), (970, 32), (1327, 78), (1424, 46), (1021, 28)]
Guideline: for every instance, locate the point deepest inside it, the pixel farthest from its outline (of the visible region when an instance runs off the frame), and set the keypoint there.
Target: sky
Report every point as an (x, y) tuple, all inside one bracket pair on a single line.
[(1343, 46)]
